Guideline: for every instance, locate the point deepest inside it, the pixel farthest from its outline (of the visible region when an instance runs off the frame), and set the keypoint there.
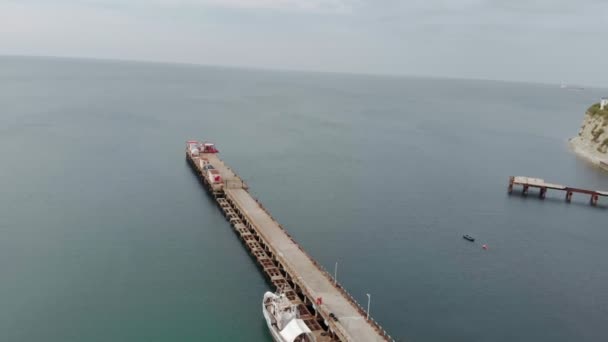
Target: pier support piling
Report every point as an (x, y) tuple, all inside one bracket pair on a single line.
[(594, 199), (569, 196), (543, 193)]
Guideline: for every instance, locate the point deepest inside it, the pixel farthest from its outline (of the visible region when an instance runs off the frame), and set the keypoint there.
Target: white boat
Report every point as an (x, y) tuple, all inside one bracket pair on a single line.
[(283, 319), (570, 87)]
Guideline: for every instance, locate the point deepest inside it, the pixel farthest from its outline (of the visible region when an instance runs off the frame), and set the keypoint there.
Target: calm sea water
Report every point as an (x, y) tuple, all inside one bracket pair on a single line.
[(106, 235)]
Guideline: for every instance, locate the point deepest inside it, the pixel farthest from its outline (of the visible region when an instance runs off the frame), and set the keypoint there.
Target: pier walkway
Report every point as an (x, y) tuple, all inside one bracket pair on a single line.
[(328, 310), (529, 182)]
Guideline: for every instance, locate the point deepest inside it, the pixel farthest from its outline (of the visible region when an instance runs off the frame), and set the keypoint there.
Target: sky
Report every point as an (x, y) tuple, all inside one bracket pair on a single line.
[(548, 41)]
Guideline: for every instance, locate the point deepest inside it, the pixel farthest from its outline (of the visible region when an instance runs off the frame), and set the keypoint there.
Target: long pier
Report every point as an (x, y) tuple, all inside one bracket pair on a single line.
[(326, 307), (528, 182)]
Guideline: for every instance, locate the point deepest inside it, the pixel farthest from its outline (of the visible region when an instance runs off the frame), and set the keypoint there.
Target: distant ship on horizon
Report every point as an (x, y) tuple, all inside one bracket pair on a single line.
[(564, 85)]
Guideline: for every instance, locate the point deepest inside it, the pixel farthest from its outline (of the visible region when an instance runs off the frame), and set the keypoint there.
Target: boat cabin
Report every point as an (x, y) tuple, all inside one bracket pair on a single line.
[(283, 320)]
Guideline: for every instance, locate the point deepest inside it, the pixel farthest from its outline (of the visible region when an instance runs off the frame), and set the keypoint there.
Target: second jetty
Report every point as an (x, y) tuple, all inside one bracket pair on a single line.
[(530, 182), (326, 308)]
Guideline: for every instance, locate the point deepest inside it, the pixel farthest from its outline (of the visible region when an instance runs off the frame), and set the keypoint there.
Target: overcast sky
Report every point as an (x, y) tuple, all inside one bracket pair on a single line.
[(527, 40)]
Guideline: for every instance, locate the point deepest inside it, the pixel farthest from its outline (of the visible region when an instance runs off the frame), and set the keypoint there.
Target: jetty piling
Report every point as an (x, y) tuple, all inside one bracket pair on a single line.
[(324, 305), (528, 182)]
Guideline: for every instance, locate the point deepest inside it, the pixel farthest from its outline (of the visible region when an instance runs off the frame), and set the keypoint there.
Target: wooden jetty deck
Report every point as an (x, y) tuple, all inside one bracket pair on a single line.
[(528, 182), (288, 267)]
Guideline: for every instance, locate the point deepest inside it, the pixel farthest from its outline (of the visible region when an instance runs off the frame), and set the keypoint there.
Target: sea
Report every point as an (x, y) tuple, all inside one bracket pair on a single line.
[(107, 235)]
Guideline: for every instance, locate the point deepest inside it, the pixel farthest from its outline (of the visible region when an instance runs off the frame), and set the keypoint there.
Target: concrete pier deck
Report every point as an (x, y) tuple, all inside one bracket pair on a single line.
[(328, 310)]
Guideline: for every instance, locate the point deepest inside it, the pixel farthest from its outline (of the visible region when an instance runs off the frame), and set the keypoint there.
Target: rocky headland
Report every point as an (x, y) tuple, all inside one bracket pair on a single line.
[(592, 140)]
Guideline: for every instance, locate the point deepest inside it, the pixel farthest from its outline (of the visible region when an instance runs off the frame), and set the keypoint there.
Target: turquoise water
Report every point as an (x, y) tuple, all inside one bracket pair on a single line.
[(106, 234)]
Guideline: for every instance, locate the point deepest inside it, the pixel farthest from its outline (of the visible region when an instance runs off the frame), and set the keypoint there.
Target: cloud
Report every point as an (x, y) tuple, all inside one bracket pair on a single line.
[(536, 40), (323, 6), (310, 6)]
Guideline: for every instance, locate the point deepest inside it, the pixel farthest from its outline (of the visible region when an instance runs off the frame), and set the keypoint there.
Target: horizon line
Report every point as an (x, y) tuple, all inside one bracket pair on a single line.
[(292, 70)]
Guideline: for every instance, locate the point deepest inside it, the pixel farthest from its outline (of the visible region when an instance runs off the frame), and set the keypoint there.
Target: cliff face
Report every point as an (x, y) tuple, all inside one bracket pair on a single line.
[(592, 139)]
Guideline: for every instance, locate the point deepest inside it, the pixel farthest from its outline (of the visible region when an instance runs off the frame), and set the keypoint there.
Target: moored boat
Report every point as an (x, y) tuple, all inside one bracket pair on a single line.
[(283, 319), (468, 237)]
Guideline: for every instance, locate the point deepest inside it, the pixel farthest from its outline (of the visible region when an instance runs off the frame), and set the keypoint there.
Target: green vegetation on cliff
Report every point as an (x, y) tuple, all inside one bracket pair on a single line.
[(595, 110)]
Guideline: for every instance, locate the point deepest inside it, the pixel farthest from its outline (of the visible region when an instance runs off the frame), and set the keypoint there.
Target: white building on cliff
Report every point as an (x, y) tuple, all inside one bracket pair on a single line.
[(604, 102)]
